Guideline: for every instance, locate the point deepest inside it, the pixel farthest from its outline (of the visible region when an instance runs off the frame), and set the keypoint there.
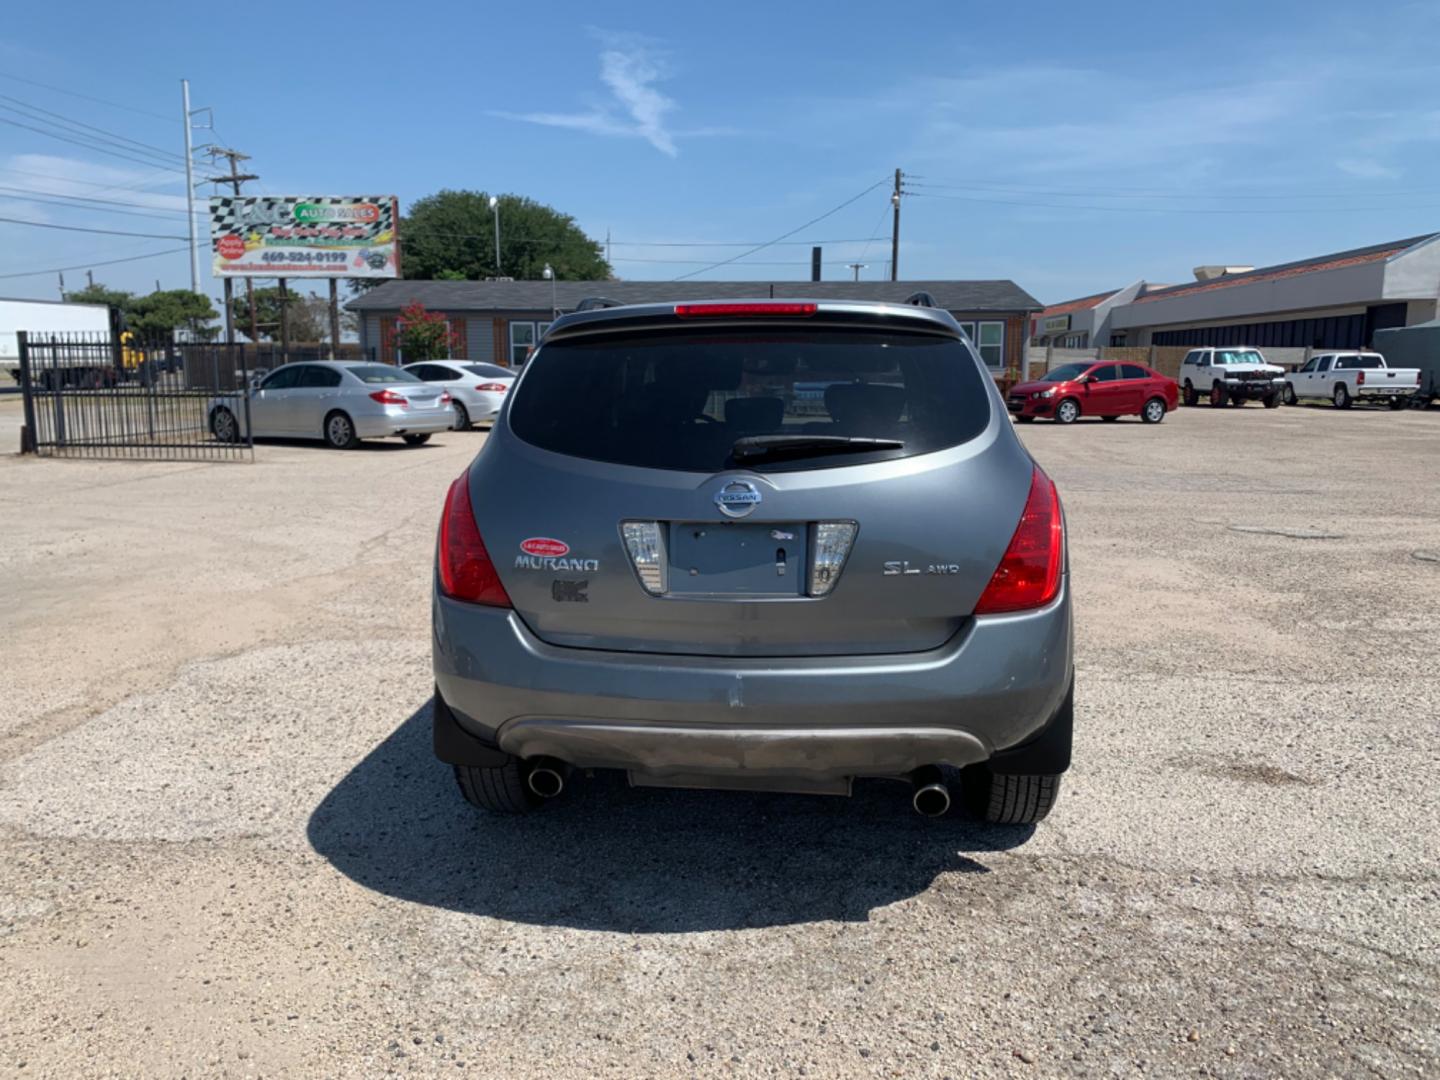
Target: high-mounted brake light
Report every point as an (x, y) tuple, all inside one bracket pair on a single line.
[(1029, 572), (491, 387), (707, 311), (466, 571), (389, 397)]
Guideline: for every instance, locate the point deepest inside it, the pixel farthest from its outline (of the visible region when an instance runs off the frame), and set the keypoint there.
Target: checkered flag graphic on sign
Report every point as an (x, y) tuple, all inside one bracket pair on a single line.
[(237, 215)]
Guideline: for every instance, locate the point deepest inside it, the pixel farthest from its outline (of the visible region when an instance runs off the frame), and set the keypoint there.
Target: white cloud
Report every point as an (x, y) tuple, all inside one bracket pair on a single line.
[(1366, 170), (635, 108)]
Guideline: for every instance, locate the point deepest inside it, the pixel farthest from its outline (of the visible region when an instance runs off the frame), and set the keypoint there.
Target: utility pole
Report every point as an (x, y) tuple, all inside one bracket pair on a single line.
[(90, 278), (607, 245), (190, 185), (495, 209), (895, 231), (62, 286), (857, 267), (235, 179)]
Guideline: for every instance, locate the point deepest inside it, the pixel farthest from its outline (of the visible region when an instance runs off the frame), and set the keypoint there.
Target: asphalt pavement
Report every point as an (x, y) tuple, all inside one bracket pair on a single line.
[(226, 849)]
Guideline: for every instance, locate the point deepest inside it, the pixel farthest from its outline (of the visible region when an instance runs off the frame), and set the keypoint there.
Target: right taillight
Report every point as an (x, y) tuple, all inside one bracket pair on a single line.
[(491, 387), (466, 572), (1029, 573)]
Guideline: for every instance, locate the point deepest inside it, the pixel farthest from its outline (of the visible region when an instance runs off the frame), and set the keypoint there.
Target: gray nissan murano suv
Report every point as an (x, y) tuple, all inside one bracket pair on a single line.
[(761, 545)]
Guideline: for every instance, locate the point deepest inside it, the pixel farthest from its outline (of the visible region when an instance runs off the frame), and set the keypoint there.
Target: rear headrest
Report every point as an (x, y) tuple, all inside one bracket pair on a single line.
[(755, 413), (864, 405)]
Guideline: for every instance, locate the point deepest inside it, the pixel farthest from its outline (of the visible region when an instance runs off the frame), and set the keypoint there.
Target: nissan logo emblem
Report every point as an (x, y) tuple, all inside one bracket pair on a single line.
[(737, 498)]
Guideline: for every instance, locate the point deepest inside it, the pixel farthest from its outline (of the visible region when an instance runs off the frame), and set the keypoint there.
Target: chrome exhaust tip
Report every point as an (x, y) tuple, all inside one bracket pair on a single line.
[(546, 778), (931, 796)]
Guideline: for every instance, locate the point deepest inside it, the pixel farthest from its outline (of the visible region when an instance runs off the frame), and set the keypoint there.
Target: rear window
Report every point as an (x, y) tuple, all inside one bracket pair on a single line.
[(490, 371), (1369, 363), (374, 374), (680, 399)]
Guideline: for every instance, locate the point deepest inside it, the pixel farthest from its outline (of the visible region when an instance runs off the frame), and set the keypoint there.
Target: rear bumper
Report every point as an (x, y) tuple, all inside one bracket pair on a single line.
[(995, 686), (401, 422)]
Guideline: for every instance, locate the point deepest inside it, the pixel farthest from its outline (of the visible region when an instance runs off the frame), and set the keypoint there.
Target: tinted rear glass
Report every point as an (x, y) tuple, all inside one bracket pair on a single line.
[(490, 371), (680, 399), (375, 374), (1367, 362)]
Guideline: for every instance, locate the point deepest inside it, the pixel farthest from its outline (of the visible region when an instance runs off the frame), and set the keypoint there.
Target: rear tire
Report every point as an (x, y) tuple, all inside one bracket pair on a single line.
[(1191, 395), (462, 416), (500, 790), (1154, 411), (417, 439), (1218, 397), (1342, 397), (340, 431), (1289, 395), (224, 426), (1008, 800), (1067, 412)]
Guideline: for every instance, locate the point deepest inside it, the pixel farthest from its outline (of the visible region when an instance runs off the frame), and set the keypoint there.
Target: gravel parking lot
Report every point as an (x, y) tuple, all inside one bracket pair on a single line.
[(225, 848)]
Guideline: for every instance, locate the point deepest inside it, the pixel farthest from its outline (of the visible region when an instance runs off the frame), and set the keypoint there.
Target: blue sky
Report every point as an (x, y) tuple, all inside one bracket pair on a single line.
[(1068, 147)]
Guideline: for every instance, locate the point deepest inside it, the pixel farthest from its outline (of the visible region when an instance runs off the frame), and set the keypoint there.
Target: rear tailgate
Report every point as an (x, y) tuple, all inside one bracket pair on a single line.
[(640, 428)]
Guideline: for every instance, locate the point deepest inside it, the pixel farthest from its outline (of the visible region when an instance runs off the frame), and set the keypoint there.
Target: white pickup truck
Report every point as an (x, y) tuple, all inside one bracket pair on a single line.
[(1230, 376), (1345, 377)]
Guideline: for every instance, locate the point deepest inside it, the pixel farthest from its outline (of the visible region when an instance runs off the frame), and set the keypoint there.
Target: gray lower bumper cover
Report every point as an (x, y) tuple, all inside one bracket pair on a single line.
[(996, 686)]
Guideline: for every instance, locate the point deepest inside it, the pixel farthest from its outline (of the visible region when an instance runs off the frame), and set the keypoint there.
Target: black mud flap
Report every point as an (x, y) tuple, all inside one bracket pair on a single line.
[(1048, 754), (456, 746)]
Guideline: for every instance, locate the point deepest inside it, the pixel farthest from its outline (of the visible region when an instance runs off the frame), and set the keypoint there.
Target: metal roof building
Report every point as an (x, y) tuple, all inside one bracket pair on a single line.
[(1339, 300), (499, 321)]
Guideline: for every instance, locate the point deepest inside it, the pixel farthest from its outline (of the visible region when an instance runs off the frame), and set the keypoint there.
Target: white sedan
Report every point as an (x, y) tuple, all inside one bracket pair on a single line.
[(478, 390)]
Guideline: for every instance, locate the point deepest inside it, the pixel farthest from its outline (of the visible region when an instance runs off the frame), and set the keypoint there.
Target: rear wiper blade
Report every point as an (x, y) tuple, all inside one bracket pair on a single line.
[(758, 446)]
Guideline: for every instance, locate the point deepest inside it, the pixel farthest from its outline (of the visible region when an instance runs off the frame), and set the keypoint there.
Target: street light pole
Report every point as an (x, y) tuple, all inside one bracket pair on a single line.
[(554, 304), (190, 186), (495, 208), (857, 267)]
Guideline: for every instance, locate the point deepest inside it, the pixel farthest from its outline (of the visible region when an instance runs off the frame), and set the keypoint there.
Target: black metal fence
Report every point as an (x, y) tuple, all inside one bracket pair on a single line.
[(96, 395)]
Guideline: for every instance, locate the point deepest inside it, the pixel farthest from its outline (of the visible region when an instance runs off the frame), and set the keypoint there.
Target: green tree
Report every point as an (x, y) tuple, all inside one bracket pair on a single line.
[(99, 294), (451, 236), (164, 312), (423, 335), (309, 315)]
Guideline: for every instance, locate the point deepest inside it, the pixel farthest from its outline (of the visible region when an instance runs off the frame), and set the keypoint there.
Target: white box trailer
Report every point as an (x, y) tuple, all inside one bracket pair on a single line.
[(42, 317)]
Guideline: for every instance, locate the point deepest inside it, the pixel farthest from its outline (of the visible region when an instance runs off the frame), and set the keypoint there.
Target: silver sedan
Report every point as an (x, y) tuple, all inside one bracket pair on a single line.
[(338, 402), (478, 389)]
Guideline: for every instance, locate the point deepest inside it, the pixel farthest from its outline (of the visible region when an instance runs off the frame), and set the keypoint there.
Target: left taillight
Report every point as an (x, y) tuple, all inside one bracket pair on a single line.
[(388, 397), (466, 571), (1029, 573), (491, 387)]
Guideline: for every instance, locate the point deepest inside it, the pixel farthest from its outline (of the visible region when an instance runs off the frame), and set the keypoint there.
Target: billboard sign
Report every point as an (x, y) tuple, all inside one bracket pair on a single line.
[(302, 236), (1056, 324)]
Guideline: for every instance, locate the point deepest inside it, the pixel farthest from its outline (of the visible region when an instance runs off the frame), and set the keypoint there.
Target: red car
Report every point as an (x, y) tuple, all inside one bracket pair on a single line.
[(1102, 388)]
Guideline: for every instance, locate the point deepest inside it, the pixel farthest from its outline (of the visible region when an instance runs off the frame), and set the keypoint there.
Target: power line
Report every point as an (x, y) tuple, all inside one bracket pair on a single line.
[(78, 228), (92, 265), (88, 145), (1127, 193), (786, 235), (1178, 209), (84, 97), (44, 198), (757, 262), (741, 243), (135, 186), (111, 136)]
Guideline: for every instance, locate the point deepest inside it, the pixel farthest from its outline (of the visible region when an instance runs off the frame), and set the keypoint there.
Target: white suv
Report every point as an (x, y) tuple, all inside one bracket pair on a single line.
[(1231, 375)]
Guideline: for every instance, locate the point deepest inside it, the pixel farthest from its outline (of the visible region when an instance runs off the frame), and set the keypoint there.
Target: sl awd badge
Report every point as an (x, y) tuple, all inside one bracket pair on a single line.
[(737, 498)]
